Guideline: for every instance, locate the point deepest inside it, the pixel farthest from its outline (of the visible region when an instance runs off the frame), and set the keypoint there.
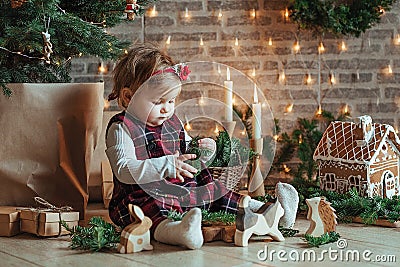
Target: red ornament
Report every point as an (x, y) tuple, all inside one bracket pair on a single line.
[(131, 9)]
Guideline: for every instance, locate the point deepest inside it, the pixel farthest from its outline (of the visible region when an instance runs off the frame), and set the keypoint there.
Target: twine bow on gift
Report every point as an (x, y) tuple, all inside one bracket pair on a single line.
[(50, 206)]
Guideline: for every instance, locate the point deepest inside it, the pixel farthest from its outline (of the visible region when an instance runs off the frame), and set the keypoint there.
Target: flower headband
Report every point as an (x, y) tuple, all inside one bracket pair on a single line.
[(181, 70)]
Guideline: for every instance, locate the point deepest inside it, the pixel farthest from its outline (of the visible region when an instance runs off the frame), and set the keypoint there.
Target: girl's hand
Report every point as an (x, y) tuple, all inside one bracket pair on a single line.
[(183, 169), (209, 144)]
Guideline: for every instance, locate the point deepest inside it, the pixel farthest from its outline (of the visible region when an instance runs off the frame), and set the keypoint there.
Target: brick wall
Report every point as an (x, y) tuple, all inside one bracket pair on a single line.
[(361, 71)]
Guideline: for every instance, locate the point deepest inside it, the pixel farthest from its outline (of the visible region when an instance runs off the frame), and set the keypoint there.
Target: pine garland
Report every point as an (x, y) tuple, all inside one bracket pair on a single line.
[(340, 17), (326, 238), (99, 235)]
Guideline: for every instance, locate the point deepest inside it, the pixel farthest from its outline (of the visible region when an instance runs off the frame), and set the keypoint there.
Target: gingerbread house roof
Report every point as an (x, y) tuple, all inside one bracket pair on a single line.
[(343, 141)]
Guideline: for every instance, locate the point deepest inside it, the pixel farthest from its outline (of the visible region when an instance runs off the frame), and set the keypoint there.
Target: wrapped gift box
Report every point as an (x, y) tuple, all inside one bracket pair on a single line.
[(107, 184), (47, 222), (9, 221)]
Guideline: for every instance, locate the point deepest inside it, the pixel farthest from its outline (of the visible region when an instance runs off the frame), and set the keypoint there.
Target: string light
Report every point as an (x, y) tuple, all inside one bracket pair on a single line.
[(321, 48), (106, 104), (276, 137), (390, 71), (308, 79), (332, 78), (186, 13), (220, 14), (236, 42), (289, 108), (216, 131), (201, 41), (343, 46), (286, 14), (300, 139), (153, 12), (319, 111), (286, 168), (168, 42), (296, 47), (282, 76), (270, 41), (188, 127), (101, 68), (397, 39), (253, 13)]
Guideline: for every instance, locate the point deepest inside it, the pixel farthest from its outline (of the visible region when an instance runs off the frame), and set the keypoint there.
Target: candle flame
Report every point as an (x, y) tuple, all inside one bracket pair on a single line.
[(253, 73), (186, 13), (309, 79), (201, 41), (282, 76), (286, 168), (168, 40), (270, 41), (319, 111), (346, 109), (188, 127), (236, 42), (333, 79), (286, 14)]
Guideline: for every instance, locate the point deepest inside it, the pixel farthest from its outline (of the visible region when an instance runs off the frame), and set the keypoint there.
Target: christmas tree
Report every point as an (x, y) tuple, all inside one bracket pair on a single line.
[(38, 38)]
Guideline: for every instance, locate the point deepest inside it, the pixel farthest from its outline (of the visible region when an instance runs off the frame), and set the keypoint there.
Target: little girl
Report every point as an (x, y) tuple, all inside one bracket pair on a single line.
[(146, 147)]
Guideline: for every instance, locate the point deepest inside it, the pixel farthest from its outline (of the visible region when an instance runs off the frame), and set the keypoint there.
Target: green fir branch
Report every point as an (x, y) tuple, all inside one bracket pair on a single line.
[(326, 238)]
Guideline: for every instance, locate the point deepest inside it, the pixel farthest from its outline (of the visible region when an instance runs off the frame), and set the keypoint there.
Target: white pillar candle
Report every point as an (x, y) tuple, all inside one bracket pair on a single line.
[(256, 116), (228, 84)]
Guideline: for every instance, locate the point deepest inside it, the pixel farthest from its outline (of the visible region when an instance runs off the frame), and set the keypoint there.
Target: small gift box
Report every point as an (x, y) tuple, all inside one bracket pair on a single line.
[(47, 222), (9, 221), (107, 184)]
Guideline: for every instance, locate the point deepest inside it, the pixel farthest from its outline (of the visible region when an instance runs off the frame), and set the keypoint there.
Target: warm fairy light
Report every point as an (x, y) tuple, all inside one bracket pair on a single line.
[(186, 13), (321, 48), (126, 52), (201, 41), (390, 71), (253, 13), (276, 137), (286, 168), (270, 41), (308, 79), (289, 108), (397, 39), (220, 14), (382, 10), (296, 47), (243, 132), (168, 40), (282, 76), (216, 129), (106, 104), (202, 101), (80, 54), (286, 14), (319, 111), (346, 109), (236, 41), (153, 11), (333, 78), (188, 127), (253, 72), (300, 139), (101, 69), (343, 46)]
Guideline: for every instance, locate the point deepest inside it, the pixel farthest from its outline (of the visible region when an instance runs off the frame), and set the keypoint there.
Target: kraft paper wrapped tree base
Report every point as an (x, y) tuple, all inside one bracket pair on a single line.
[(48, 133)]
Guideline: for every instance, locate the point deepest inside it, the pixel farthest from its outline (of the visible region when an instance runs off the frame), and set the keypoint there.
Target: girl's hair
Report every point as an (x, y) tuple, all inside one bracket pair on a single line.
[(137, 66)]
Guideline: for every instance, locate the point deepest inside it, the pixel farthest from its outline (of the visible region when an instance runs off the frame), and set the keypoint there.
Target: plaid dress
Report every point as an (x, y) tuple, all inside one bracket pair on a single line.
[(157, 198)]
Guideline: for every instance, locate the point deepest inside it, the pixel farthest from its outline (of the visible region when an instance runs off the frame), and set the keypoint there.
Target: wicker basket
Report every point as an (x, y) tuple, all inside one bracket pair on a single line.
[(229, 176)]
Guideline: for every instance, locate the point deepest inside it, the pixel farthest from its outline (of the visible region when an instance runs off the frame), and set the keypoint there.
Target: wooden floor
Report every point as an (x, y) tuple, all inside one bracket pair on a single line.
[(28, 250)]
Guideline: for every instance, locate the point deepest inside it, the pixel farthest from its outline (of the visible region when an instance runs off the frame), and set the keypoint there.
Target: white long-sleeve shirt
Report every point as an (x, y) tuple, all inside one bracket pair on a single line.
[(126, 167)]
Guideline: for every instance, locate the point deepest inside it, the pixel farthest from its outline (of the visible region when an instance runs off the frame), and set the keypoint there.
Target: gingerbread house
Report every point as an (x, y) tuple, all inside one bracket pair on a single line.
[(363, 155)]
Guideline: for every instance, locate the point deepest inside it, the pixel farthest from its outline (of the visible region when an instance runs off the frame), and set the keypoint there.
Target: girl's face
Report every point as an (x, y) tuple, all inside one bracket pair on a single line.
[(154, 105)]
